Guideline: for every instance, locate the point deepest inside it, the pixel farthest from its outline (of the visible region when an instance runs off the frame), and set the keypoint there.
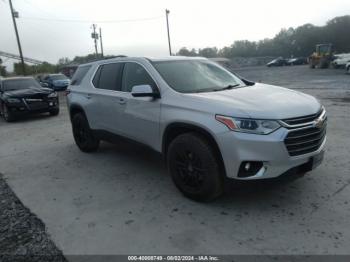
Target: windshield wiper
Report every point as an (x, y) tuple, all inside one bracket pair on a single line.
[(227, 87)]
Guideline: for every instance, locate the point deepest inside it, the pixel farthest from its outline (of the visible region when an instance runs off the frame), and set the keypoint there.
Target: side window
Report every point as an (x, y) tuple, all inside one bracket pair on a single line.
[(134, 74), (109, 76), (80, 74), (97, 77)]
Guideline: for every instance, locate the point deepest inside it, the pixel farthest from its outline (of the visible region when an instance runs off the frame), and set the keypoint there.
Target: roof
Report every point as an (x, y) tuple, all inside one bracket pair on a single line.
[(16, 78), (59, 74), (152, 59), (175, 58)]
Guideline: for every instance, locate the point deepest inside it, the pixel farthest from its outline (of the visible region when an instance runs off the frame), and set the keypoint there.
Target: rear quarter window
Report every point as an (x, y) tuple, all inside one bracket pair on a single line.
[(80, 74)]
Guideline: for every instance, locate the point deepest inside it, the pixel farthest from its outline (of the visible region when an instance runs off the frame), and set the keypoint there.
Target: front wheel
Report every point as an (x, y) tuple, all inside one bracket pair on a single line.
[(83, 135), (194, 167), (7, 114)]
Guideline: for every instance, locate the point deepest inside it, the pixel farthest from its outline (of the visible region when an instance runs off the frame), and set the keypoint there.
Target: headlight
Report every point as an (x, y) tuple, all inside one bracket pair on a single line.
[(13, 100), (247, 125), (54, 94)]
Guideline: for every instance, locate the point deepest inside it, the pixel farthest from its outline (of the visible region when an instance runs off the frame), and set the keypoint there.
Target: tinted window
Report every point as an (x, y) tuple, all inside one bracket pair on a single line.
[(134, 74), (79, 74), (109, 76), (97, 77), (58, 77)]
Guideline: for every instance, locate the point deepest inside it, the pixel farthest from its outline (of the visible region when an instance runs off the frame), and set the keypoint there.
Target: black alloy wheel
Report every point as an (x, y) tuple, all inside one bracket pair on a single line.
[(195, 167), (83, 135)]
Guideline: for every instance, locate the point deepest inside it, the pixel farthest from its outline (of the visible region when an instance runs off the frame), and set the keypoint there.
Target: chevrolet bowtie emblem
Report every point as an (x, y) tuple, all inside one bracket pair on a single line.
[(318, 123)]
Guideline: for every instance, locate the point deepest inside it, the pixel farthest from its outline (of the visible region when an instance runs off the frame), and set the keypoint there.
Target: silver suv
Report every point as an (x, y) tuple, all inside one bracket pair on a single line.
[(208, 123)]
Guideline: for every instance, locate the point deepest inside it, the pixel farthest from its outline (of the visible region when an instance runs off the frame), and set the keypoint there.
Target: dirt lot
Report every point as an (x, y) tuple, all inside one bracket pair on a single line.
[(121, 200)]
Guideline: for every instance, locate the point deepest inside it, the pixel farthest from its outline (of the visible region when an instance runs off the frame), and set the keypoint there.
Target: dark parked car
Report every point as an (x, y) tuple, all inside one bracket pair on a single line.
[(23, 95), (56, 81), (297, 61), (277, 62)]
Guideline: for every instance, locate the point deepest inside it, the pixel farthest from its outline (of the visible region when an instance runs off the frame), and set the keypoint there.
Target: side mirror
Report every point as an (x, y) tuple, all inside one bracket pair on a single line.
[(144, 91), (44, 84)]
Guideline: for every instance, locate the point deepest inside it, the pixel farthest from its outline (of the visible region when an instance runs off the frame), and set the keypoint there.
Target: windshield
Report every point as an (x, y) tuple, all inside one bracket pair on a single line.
[(58, 77), (196, 76), (17, 84)]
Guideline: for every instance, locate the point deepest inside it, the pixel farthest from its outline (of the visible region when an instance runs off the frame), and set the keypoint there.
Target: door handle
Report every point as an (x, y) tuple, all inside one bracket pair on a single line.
[(121, 101)]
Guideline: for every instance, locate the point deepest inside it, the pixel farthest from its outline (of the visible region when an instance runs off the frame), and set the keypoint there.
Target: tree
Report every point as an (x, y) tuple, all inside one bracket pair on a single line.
[(185, 52), (45, 67), (64, 61), (300, 41), (208, 52), (3, 71)]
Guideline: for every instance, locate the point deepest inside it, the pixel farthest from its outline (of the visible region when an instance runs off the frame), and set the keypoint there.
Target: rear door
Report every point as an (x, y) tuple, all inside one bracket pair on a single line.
[(140, 116), (106, 103)]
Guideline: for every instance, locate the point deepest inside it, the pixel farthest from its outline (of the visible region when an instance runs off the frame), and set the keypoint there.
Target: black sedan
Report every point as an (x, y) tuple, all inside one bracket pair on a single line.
[(23, 95), (277, 62)]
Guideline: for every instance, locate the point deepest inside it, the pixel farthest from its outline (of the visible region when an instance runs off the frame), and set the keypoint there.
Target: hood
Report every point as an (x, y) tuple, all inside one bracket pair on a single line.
[(28, 92), (261, 101)]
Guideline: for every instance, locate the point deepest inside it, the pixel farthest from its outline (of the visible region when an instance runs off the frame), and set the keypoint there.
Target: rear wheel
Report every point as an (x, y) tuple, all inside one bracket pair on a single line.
[(83, 135), (194, 167), (7, 114)]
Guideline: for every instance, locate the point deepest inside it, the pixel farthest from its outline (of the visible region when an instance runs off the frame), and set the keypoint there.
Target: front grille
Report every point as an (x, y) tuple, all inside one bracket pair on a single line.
[(303, 119), (37, 105), (306, 140)]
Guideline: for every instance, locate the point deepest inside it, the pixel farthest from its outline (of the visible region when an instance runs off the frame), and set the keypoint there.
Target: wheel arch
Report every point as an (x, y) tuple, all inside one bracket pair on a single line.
[(74, 109), (175, 129)]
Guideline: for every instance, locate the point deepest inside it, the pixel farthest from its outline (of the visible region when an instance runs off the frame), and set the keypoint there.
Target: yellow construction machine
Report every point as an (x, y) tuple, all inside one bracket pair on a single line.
[(322, 57)]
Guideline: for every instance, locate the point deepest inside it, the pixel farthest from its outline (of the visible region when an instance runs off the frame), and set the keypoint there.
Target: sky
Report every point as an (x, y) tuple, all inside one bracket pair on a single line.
[(51, 29)]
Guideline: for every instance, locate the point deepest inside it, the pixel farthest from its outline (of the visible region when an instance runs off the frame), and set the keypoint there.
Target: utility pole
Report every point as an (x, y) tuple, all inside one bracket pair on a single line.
[(94, 35), (167, 25), (14, 16), (101, 42)]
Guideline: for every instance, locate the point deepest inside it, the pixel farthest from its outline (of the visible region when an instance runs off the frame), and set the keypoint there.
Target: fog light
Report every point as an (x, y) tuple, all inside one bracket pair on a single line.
[(249, 168)]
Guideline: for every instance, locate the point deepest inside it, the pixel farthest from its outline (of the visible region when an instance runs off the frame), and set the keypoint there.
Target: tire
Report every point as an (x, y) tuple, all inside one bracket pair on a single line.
[(54, 112), (7, 115), (194, 167), (83, 135), (348, 70)]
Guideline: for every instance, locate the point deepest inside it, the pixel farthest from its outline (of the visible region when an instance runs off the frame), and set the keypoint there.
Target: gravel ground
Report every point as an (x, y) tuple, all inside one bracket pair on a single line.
[(23, 235)]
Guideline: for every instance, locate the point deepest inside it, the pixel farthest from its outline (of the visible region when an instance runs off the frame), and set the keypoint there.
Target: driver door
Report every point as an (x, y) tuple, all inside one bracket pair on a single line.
[(141, 115)]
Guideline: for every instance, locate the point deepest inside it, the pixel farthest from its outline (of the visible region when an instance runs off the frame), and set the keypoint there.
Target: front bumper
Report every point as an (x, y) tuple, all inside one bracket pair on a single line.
[(271, 150), (27, 107)]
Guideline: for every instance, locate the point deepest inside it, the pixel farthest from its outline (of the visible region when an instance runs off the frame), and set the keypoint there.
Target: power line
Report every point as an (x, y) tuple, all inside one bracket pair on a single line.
[(92, 20)]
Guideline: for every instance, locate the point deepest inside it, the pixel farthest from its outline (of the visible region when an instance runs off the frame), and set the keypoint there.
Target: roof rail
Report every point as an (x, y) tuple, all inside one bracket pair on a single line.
[(104, 58)]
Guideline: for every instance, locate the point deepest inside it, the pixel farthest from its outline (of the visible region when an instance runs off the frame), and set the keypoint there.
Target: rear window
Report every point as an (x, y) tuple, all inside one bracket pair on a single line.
[(58, 77), (108, 76), (80, 74)]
